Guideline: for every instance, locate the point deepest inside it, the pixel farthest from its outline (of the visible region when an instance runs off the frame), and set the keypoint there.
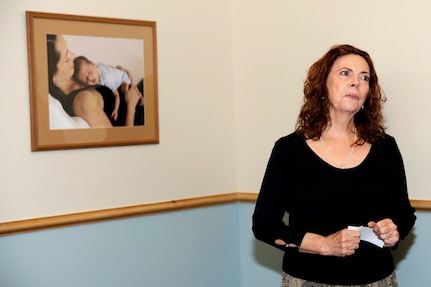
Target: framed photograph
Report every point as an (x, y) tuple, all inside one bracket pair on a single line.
[(93, 81)]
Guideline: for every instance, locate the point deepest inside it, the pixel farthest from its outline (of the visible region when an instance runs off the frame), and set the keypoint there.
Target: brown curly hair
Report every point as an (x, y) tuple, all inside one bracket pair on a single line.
[(314, 115)]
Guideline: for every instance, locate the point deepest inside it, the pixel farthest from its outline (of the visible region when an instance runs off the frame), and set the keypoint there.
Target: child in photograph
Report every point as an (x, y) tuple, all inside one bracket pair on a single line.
[(90, 73)]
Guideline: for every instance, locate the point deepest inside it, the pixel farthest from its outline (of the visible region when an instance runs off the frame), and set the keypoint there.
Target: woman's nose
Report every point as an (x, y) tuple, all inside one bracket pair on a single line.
[(355, 82)]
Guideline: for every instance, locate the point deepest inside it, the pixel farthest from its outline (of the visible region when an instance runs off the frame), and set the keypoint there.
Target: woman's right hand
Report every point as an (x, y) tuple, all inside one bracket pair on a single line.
[(341, 243)]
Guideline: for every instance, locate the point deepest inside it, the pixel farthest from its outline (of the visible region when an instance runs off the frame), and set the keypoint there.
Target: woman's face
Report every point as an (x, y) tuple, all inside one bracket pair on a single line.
[(65, 63), (348, 83)]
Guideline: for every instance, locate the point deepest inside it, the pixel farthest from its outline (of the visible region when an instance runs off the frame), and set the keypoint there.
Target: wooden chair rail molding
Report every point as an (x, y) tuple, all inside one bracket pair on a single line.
[(31, 225)]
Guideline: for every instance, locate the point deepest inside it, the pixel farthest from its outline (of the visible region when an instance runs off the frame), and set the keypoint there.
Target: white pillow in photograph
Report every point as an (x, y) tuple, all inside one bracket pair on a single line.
[(59, 119)]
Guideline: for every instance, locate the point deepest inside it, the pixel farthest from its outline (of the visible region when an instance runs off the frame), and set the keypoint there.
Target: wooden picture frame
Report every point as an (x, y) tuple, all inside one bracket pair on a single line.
[(127, 43)]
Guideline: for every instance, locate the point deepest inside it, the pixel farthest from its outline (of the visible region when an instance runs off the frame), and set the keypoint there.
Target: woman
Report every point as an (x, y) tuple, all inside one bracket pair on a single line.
[(94, 104), (338, 169)]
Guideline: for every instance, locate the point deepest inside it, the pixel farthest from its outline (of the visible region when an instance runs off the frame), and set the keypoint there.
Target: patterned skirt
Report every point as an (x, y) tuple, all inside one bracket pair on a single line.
[(290, 281)]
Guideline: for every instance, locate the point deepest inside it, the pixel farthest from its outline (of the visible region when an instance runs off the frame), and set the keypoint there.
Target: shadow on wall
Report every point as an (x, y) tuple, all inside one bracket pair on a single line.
[(267, 256), (403, 248)]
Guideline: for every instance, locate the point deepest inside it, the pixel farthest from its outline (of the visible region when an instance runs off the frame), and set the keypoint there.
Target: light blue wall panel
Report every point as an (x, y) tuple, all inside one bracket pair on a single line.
[(260, 263), (210, 247), (196, 247), (413, 256)]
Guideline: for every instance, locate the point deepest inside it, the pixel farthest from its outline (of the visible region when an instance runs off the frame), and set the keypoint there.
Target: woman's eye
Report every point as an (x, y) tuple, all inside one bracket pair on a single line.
[(344, 73), (365, 78)]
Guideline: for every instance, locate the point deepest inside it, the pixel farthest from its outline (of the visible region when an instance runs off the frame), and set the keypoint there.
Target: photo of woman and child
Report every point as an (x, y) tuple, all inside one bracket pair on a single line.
[(100, 95), (89, 73)]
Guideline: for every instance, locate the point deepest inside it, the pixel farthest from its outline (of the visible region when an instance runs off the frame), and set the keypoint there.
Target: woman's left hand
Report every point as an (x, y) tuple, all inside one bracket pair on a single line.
[(131, 96), (386, 230)]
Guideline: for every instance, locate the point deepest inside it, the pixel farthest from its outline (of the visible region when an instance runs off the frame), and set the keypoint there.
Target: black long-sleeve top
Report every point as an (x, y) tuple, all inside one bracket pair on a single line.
[(323, 199)]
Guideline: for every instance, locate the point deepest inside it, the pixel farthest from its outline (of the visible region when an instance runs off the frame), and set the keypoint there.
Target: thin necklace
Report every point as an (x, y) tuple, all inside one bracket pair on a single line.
[(341, 165)]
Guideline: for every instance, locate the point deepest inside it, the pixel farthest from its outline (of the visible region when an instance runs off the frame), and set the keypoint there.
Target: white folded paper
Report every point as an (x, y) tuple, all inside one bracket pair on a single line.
[(368, 235)]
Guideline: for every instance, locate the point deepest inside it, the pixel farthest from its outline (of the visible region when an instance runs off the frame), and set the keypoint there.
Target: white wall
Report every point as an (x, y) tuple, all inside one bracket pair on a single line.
[(276, 41), (230, 83), (196, 154)]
